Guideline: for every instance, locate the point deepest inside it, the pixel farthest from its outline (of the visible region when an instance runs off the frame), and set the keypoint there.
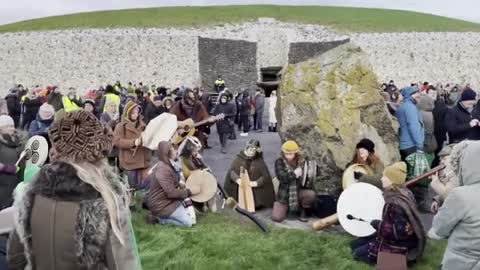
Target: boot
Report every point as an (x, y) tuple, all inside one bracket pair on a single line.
[(303, 216), (270, 129)]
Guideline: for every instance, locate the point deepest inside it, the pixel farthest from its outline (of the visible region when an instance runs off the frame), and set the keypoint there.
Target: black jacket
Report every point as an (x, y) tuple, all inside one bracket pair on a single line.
[(475, 132), (32, 106), (440, 128), (245, 105), (457, 121), (13, 105), (225, 125), (153, 111)]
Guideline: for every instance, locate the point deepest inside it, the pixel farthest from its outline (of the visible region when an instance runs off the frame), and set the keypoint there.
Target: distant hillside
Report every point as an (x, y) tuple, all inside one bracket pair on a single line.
[(340, 18)]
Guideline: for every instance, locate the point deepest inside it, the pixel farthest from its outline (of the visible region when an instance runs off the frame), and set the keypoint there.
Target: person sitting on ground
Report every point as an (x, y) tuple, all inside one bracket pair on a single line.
[(459, 119), (400, 231), (133, 157), (154, 109), (251, 159), (365, 155), (459, 217), (43, 121), (76, 205), (292, 196), (166, 196), (225, 127)]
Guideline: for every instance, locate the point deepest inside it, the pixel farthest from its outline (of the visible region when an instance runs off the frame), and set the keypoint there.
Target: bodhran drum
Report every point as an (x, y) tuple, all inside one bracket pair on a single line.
[(203, 186), (363, 201), (348, 177), (36, 151), (309, 172)]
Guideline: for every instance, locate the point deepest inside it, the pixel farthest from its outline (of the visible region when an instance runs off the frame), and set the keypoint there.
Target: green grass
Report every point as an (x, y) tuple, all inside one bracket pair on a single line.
[(340, 18), (227, 241)]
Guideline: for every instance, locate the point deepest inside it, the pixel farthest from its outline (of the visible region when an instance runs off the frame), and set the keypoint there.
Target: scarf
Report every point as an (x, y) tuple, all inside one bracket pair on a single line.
[(292, 197), (403, 198)]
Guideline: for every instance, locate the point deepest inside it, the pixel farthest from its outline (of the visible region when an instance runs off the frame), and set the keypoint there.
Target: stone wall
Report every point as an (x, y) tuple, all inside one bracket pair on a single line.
[(272, 49), (235, 60), (85, 59), (301, 51)]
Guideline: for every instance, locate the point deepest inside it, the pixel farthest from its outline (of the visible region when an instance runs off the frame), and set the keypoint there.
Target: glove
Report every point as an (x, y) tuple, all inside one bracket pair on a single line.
[(375, 223), (357, 175)]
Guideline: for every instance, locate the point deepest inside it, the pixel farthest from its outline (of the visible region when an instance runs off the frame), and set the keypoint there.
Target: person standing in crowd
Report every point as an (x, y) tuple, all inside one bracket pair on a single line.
[(204, 98), (81, 188), (459, 217), (245, 106), (133, 157), (259, 108), (272, 118), (225, 127), (412, 134), (111, 95), (400, 231), (70, 102), (13, 105), (141, 100), (154, 109), (440, 111), (426, 105), (167, 190), (31, 106), (459, 119), (110, 119), (55, 98), (219, 84), (89, 106), (168, 103), (190, 108), (10, 153), (43, 121), (251, 159), (365, 155), (292, 196)]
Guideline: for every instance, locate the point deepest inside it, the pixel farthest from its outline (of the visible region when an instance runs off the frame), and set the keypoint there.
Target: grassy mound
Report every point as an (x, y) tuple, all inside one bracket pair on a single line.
[(340, 18), (227, 241)]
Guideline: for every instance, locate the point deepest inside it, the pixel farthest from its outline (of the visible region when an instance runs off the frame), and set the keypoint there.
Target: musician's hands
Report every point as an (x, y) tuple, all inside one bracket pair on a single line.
[(434, 207), (375, 223), (298, 172), (138, 142), (239, 181), (181, 184), (474, 123), (357, 175), (254, 184), (211, 119)]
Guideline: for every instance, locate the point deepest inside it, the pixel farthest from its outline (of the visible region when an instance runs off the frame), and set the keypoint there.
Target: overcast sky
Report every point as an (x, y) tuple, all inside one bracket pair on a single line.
[(17, 10)]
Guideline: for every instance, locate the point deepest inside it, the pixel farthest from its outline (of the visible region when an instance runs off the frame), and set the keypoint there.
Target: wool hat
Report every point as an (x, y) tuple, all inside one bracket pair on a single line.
[(367, 145), (46, 111), (6, 121), (89, 101), (290, 147), (468, 94), (396, 173), (79, 136)]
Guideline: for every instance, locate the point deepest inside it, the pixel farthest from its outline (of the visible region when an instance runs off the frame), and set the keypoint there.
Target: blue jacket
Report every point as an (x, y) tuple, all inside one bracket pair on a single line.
[(39, 127), (412, 133)]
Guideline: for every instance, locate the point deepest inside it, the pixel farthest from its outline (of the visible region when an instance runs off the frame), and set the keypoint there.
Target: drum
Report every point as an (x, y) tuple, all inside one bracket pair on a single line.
[(36, 151), (309, 172), (203, 186), (363, 201), (348, 177)]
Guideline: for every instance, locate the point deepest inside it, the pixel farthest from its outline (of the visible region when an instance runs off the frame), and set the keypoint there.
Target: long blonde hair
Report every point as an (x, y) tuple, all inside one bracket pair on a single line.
[(101, 177)]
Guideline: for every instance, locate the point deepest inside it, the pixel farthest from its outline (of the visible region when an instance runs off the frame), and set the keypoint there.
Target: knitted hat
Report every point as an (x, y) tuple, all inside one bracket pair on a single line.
[(6, 121), (46, 111), (468, 94), (290, 147), (367, 145), (396, 173), (79, 136), (89, 101)]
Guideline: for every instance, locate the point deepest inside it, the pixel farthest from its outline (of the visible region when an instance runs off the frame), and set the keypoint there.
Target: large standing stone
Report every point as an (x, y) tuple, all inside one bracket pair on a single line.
[(327, 104)]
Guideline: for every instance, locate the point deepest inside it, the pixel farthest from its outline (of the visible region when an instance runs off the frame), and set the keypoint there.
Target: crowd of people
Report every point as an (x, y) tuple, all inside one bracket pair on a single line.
[(81, 197)]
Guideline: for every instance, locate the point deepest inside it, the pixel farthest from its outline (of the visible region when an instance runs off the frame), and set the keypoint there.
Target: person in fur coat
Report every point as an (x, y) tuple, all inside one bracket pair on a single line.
[(74, 214)]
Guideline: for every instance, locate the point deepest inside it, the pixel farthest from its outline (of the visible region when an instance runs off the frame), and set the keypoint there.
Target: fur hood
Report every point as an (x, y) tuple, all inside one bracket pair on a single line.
[(59, 181)]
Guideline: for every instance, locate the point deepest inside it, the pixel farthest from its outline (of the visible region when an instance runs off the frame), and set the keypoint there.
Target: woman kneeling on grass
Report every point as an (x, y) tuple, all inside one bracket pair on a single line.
[(365, 155), (167, 195), (400, 231)]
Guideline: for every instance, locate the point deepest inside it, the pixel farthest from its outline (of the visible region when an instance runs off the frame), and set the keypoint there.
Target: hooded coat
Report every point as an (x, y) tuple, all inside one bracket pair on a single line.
[(10, 152), (264, 194), (459, 217), (458, 123), (412, 132), (165, 194), (426, 106), (125, 134), (229, 109), (63, 223)]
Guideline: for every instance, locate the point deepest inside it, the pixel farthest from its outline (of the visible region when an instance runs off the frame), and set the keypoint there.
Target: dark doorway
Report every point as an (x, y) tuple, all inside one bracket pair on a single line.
[(270, 79)]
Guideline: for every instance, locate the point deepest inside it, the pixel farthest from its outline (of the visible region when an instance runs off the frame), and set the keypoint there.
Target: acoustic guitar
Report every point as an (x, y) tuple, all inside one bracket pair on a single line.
[(189, 127)]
